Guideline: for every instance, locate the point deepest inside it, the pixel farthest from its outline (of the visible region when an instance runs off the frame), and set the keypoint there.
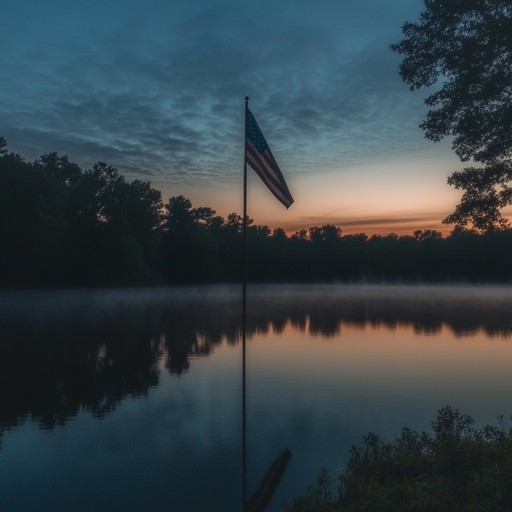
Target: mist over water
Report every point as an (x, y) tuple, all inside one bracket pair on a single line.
[(131, 399)]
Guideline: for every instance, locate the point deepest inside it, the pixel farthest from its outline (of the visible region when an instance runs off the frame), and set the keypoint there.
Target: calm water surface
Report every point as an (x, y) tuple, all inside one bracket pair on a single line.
[(131, 400)]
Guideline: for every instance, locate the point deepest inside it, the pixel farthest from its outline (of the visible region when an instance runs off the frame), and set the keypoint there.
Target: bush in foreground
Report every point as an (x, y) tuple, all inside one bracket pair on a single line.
[(456, 468)]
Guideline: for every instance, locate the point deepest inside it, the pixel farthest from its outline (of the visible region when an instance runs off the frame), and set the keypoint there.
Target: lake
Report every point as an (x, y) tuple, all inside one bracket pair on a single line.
[(131, 399)]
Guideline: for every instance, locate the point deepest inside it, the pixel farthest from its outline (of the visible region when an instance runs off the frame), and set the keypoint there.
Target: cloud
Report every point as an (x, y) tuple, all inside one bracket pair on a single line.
[(400, 222), (159, 91)]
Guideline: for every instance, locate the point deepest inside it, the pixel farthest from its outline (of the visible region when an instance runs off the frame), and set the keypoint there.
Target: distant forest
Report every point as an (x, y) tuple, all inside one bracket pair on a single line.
[(61, 226)]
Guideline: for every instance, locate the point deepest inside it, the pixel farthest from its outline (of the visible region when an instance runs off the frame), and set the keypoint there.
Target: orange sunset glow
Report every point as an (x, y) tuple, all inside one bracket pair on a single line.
[(380, 198)]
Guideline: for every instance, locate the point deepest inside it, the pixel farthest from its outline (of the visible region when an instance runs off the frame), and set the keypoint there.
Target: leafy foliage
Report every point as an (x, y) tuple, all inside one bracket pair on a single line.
[(486, 193), (63, 226), (72, 227), (464, 48), (457, 468)]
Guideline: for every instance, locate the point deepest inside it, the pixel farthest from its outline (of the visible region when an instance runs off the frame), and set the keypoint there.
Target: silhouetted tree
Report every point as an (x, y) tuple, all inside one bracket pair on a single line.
[(466, 48), (116, 227), (427, 234), (261, 264), (191, 251), (62, 226), (178, 225), (59, 168), (32, 226), (354, 256), (326, 251), (3, 146), (431, 260)]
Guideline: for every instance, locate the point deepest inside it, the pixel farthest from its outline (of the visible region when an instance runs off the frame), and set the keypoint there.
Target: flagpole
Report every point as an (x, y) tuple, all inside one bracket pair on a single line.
[(244, 321)]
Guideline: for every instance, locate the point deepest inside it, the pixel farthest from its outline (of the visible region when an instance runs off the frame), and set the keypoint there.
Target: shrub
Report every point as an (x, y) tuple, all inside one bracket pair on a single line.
[(456, 468)]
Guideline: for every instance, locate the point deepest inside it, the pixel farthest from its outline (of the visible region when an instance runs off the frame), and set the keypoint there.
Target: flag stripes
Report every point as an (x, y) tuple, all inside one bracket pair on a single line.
[(261, 160)]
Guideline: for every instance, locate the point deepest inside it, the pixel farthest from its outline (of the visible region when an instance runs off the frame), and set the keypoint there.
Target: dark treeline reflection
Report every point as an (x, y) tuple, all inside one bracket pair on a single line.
[(63, 352), (61, 226)]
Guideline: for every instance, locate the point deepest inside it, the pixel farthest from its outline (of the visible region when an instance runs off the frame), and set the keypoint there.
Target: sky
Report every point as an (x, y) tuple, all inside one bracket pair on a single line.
[(156, 88)]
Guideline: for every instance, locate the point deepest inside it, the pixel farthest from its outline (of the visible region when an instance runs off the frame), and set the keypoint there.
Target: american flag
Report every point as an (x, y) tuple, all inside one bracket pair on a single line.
[(260, 158)]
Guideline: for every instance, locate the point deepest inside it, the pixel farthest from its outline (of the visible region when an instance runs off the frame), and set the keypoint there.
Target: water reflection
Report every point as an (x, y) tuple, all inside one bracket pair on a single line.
[(61, 352), (67, 351)]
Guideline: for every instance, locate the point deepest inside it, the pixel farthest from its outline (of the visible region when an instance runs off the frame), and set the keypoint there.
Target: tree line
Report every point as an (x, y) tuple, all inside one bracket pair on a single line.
[(62, 226)]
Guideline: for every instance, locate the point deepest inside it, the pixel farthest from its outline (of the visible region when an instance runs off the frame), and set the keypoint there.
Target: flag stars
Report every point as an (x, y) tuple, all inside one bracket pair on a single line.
[(255, 135)]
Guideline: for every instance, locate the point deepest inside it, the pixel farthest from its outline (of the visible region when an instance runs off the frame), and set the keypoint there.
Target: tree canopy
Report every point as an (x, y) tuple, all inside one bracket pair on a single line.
[(463, 49), (61, 226)]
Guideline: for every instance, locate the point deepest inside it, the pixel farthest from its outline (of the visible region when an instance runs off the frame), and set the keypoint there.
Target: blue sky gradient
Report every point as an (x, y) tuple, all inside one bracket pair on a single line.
[(157, 89)]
